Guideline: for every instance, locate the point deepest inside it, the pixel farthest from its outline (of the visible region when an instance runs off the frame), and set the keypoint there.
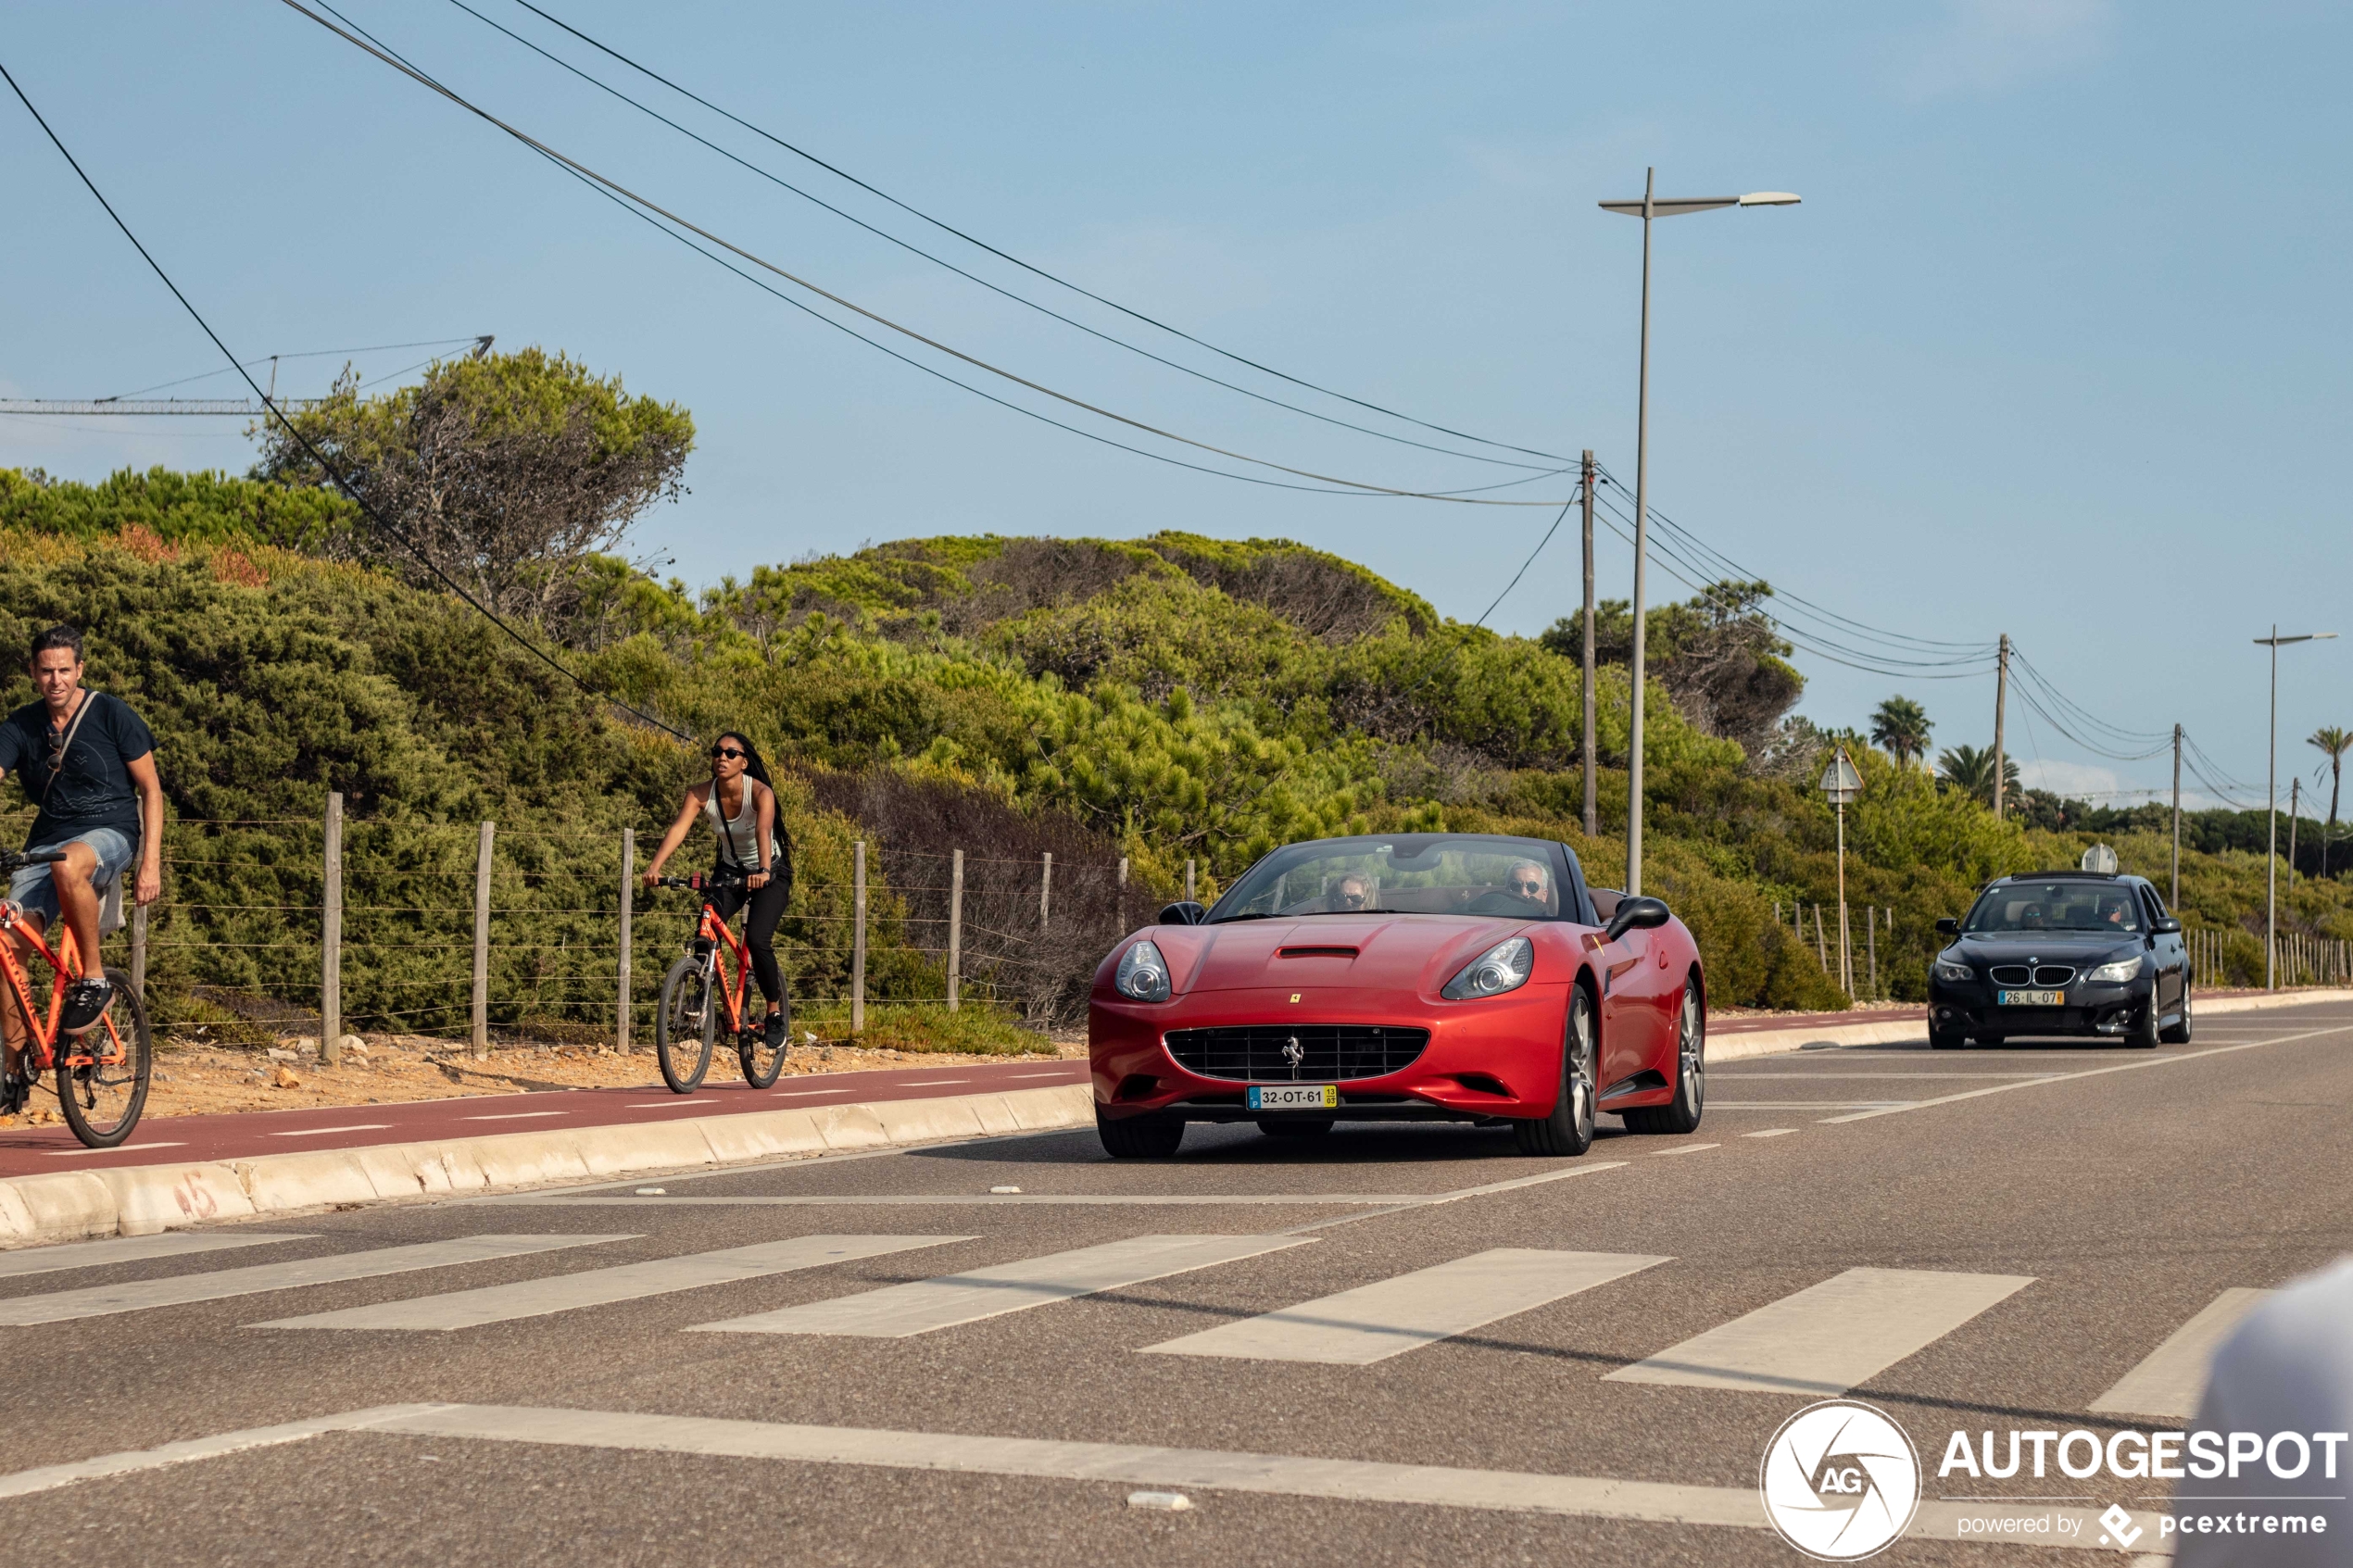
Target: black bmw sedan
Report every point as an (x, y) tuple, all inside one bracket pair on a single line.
[(2061, 953)]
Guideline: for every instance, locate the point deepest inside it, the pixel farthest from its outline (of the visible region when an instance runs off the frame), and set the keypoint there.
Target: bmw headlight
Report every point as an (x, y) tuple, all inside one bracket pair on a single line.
[(1503, 967), (1143, 974), (1959, 973), (2123, 969)]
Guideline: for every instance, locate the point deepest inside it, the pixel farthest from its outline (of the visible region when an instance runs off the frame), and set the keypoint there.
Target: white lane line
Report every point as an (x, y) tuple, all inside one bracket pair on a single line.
[(136, 1147), (1876, 1106), (1062, 1073), (1686, 1149), (597, 1287), (899, 1311), (1771, 1133), (1376, 1321), (2172, 1379), (515, 1116), (1582, 1168), (666, 1104), (99, 1300), (1829, 1338), (929, 1201), (132, 1249), (929, 1083), (1123, 1464), (322, 1132), (801, 1094), (2093, 1073), (1721, 1076)]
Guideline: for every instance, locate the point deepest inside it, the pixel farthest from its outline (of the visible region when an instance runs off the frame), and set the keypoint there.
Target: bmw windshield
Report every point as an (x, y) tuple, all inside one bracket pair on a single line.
[(1407, 874), (2019, 907)]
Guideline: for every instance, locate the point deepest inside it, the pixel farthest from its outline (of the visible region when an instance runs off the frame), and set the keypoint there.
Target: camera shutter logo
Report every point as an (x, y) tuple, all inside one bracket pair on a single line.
[(1840, 1481)]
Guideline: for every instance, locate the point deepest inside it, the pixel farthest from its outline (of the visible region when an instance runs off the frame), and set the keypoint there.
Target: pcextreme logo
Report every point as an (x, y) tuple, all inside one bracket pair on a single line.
[(1840, 1481)]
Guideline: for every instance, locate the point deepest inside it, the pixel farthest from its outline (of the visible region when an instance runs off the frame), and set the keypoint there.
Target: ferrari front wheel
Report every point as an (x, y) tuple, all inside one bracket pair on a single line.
[(1569, 1129), (1137, 1137)]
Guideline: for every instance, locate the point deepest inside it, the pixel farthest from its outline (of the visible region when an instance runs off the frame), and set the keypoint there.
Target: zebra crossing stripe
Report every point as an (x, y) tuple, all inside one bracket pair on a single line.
[(131, 1249), (597, 1287), (1829, 1338), (99, 1300), (2172, 1379), (1376, 1321), (899, 1311)]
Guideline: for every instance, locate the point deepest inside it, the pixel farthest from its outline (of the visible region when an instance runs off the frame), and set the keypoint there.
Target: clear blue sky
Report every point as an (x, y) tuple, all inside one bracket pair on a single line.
[(2056, 345)]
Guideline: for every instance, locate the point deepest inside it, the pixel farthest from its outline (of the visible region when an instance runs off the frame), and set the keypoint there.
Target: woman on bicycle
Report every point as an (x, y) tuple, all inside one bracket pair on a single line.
[(755, 858)]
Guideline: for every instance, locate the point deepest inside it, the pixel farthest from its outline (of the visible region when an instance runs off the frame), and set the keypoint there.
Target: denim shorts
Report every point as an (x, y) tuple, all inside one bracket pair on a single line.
[(32, 889)]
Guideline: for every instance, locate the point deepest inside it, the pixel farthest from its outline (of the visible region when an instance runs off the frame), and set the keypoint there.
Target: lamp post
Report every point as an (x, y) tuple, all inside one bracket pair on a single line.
[(1651, 206), (2271, 803), (1842, 784)]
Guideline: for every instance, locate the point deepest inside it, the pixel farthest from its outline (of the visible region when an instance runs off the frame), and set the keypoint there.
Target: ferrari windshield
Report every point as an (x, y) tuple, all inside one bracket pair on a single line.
[(1411, 874), (2021, 907)]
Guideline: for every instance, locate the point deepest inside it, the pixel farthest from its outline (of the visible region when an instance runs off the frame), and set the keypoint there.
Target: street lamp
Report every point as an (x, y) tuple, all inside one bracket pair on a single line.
[(1843, 783), (2271, 802), (1651, 206)]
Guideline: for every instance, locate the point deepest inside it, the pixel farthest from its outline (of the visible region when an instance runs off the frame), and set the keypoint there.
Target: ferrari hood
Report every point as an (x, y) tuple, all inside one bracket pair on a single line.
[(1375, 952)]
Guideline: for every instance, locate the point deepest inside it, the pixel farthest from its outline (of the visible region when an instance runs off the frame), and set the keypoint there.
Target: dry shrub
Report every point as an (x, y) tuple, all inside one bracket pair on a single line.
[(236, 568), (147, 544)]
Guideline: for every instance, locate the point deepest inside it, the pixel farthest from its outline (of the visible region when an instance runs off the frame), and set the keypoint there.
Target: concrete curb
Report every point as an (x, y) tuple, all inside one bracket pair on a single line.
[(143, 1199), (1772, 1042)]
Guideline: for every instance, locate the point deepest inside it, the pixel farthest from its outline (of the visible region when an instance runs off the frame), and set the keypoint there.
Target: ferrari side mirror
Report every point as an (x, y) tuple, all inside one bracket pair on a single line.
[(1183, 913), (1948, 926), (1636, 914)]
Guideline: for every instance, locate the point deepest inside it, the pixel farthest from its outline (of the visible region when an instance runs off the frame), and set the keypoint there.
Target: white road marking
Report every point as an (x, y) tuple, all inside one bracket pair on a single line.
[(597, 1287), (929, 1083), (899, 1311), (322, 1132), (132, 1249), (799, 1093), (2146, 1061), (1722, 1075), (1391, 1316), (1063, 1072), (515, 1116), (927, 1200), (1124, 1464), (666, 1104), (80, 1153), (1686, 1149), (1874, 1106), (1829, 1338), (2172, 1379), (99, 1300), (1771, 1133)]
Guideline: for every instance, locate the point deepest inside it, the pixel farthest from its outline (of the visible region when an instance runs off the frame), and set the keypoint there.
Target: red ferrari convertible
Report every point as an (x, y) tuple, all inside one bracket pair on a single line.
[(1401, 977)]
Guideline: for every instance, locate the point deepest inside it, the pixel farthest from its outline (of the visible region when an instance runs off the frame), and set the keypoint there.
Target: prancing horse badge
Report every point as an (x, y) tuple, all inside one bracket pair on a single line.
[(1294, 995)]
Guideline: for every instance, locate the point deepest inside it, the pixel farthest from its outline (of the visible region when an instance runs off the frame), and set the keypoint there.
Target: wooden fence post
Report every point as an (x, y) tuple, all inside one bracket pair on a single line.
[(858, 937), (1189, 896), (1822, 942), (1870, 944), (481, 945), (330, 939), (1044, 890), (955, 925), (1122, 893), (628, 908)]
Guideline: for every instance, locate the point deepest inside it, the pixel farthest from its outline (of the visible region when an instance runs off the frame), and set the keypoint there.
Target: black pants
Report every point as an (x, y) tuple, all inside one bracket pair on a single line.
[(767, 907)]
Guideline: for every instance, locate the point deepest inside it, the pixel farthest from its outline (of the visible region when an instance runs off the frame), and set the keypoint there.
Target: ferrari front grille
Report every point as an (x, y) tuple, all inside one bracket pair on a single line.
[(1307, 1053)]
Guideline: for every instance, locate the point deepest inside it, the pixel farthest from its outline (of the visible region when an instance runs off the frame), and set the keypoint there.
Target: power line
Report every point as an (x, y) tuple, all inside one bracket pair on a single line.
[(307, 354), (342, 484), (1537, 469), (422, 79), (1526, 564), (1027, 267)]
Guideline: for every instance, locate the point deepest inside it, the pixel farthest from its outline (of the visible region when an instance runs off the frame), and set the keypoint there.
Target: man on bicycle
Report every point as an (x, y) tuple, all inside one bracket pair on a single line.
[(88, 762)]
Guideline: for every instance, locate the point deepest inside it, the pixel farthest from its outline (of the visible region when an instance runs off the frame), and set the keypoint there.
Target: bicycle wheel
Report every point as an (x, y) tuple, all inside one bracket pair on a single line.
[(102, 1098), (685, 1024), (762, 1062)]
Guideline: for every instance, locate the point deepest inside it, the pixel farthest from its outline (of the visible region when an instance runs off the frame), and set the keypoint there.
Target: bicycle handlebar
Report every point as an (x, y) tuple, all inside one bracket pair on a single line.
[(699, 881), (14, 860)]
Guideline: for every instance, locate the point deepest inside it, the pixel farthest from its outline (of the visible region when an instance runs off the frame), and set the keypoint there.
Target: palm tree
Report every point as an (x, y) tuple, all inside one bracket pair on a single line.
[(1970, 770), (1900, 727), (2335, 740)]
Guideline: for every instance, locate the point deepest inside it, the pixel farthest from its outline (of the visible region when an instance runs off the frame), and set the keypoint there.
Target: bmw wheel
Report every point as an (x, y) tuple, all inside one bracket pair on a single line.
[(2179, 1034)]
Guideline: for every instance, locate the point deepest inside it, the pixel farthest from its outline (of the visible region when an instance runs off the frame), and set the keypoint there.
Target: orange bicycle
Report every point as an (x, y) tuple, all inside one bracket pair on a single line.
[(103, 1072), (696, 990)]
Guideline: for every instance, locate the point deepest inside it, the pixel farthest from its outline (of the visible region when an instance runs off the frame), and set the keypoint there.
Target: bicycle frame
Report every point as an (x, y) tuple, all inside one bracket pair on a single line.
[(40, 1036), (713, 930)]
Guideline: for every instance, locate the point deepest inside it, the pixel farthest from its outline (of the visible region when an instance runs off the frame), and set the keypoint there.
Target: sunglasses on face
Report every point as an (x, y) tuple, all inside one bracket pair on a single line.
[(1355, 897), (729, 751), (1528, 888)]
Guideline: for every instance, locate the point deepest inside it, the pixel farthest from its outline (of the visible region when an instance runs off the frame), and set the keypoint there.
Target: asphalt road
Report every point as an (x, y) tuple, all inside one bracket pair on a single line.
[(2030, 1225)]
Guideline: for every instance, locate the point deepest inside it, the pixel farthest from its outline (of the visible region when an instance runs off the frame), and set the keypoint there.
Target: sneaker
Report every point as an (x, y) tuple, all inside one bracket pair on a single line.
[(774, 1030), (14, 1092), (86, 1002)]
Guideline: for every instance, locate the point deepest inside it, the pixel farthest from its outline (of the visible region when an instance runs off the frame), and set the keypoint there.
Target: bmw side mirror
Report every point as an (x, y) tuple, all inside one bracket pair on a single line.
[(2168, 926), (1183, 913), (1948, 926), (1636, 914)]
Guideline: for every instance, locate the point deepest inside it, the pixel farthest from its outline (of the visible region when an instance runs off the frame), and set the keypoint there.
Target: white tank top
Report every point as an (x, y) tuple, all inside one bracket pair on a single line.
[(744, 826)]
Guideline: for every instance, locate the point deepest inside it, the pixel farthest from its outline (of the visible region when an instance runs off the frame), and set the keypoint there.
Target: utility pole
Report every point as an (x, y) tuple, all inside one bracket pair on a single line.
[(2001, 701), (2271, 804), (2295, 809), (1641, 558), (1585, 489), (2174, 902)]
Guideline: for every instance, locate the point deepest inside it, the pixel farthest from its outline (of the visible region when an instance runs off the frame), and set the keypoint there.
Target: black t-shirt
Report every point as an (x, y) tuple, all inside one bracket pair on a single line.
[(93, 788)]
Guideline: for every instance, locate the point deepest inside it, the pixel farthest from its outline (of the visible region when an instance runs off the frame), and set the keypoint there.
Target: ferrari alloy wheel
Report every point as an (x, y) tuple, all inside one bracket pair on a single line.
[(2179, 1034), (1681, 1114), (1137, 1137), (1569, 1129)]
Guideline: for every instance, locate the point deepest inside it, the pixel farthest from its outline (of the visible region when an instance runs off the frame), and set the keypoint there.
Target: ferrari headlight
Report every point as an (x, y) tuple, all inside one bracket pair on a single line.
[(1503, 967), (1959, 973), (1143, 974), (2123, 969)]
